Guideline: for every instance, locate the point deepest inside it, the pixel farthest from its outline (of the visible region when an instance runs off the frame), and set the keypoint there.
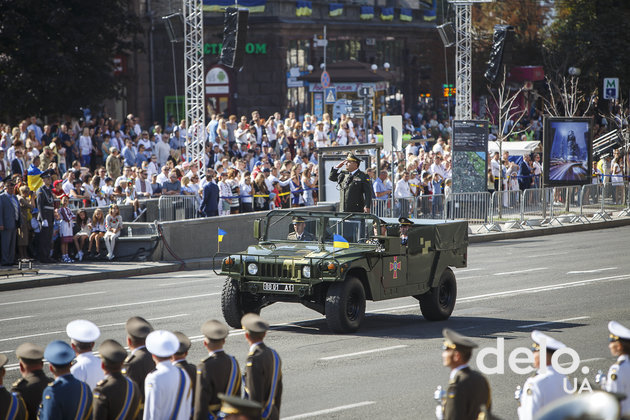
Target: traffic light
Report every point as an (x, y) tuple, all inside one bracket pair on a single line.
[(448, 90)]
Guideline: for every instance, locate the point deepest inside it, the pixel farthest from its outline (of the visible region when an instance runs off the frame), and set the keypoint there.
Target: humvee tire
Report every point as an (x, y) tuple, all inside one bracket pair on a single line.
[(232, 304), (345, 305), (438, 303)]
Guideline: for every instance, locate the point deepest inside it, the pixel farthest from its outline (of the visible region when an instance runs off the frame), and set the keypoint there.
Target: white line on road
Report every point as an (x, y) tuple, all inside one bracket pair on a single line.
[(181, 276), (360, 353), (120, 305), (117, 324), (469, 277), (597, 270), (177, 283), (329, 410), (529, 270), (31, 335), (17, 317), (466, 270), (545, 255), (51, 298), (553, 322)]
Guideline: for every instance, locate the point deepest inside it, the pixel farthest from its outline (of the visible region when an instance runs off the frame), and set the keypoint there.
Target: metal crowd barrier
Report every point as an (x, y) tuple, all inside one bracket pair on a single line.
[(177, 207)]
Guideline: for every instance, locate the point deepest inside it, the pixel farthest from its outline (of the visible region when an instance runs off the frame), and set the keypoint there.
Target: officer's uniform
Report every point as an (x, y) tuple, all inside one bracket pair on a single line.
[(263, 372), (168, 389), (139, 363), (66, 397), (182, 363), (32, 384), (547, 386), (12, 406), (217, 373), (403, 221), (87, 366), (233, 407), (46, 217), (618, 378), (355, 189), (586, 405), (468, 393), (116, 396), (306, 236)]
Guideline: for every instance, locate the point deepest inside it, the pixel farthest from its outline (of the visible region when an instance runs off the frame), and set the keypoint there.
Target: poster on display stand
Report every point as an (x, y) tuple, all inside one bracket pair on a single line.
[(568, 150)]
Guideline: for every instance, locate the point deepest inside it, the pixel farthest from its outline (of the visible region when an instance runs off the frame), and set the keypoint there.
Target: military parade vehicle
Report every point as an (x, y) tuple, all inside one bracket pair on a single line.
[(333, 262)]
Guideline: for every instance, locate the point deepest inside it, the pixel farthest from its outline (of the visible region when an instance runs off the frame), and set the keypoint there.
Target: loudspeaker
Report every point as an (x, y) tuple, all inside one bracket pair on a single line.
[(502, 40), (234, 37), (174, 27), (447, 33)]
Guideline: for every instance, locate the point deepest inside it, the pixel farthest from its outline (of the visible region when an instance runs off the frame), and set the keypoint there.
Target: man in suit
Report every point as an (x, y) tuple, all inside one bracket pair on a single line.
[(525, 173), (179, 360), (139, 363), (45, 216), (299, 233), (210, 203), (354, 186), (263, 373), (9, 221), (33, 382), (12, 406), (17, 165)]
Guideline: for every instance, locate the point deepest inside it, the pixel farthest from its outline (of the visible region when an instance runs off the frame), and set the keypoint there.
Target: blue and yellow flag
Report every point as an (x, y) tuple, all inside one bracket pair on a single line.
[(34, 178), (304, 8), (431, 14), (405, 15), (387, 13), (340, 242), (335, 9), (221, 234), (254, 6), (367, 13)]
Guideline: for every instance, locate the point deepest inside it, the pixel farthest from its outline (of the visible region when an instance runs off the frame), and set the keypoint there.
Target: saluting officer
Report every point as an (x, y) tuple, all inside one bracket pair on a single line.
[(33, 382), (67, 397), (139, 363), (46, 216), (618, 378), (179, 360), (217, 373), (87, 367), (12, 406), (263, 372), (116, 396), (354, 186), (236, 408)]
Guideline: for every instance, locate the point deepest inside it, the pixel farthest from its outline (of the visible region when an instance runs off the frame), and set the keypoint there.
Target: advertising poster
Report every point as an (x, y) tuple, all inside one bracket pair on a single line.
[(318, 105), (470, 156), (568, 145)]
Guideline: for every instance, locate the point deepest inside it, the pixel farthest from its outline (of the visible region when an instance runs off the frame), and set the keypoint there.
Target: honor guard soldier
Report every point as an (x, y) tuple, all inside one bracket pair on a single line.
[(87, 366), (468, 394), (404, 228), (263, 372), (217, 373), (584, 406), (139, 363), (168, 389), (116, 397), (236, 408), (354, 186), (299, 234), (45, 216), (33, 382), (67, 397), (179, 360), (547, 386), (12, 406), (618, 378)]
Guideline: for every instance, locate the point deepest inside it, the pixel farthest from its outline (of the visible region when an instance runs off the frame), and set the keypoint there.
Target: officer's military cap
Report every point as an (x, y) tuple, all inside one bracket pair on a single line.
[(214, 330), (83, 331), (3, 360), (298, 219), (138, 327), (454, 340), (618, 332), (405, 221), (59, 353), (254, 323), (236, 405), (541, 339), (46, 174), (587, 405), (29, 351), (112, 351), (184, 342), (162, 343), (352, 158)]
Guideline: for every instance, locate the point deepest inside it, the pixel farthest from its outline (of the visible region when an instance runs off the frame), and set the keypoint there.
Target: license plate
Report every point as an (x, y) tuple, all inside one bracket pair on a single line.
[(278, 287)]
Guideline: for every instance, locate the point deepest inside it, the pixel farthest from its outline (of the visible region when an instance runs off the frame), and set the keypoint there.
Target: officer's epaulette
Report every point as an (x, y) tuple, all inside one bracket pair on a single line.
[(208, 357), (129, 358), (18, 383), (101, 382), (621, 363)]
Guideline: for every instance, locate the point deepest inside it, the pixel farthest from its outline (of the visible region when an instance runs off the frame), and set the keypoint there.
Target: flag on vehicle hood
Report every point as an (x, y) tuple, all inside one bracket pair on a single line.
[(340, 242)]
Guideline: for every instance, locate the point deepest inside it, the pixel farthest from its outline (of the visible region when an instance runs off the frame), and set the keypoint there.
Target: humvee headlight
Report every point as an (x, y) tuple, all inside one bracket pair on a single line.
[(252, 269), (306, 271)]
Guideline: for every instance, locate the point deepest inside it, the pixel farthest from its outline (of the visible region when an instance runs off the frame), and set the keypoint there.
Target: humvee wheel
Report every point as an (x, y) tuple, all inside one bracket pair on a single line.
[(345, 305), (438, 303), (233, 304)]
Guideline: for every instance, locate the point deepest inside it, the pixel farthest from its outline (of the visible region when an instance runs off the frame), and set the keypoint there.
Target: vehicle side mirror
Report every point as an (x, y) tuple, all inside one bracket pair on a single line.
[(259, 227)]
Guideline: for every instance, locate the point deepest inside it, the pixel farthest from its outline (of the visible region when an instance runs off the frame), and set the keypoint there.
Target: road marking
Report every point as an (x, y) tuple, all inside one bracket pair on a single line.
[(31, 335), (546, 255), (182, 276), (120, 305), (177, 283), (597, 270), (469, 277), (117, 324), (466, 270), (553, 322), (329, 410), (17, 317), (51, 298), (529, 270), (360, 353)]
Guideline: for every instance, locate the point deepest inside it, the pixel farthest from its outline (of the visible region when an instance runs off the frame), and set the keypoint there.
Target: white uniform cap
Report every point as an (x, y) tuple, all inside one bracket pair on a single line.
[(162, 343), (618, 330), (541, 340), (83, 331)]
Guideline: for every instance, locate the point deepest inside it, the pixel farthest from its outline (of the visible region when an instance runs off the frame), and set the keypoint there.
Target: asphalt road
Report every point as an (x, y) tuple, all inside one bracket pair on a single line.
[(569, 285)]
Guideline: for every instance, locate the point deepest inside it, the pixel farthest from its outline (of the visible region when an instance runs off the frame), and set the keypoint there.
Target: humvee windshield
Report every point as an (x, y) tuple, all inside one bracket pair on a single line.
[(353, 228)]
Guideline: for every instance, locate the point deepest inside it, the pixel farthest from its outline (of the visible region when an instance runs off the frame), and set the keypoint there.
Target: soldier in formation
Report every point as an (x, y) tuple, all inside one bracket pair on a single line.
[(618, 377), (87, 367), (12, 406), (33, 382)]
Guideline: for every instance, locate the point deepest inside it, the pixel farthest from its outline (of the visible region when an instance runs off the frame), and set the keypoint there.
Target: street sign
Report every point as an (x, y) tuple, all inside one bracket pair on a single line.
[(325, 79), (611, 88), (364, 92), (330, 95), (357, 109), (392, 133)]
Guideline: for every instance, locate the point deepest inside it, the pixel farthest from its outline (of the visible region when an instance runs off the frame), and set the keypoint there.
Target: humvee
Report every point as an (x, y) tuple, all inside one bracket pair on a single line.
[(335, 281)]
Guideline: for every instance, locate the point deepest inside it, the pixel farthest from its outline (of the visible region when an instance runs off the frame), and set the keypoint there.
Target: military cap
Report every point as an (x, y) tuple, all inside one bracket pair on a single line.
[(29, 351), (59, 353), (405, 221), (237, 405), (588, 405), (184, 342), (214, 330), (454, 340), (138, 327), (352, 158), (618, 332), (112, 351), (298, 219), (162, 343), (46, 174), (254, 323), (541, 339), (83, 331), (3, 360)]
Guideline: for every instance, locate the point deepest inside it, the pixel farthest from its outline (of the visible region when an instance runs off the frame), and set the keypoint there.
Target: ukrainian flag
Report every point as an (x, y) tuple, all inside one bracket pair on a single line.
[(405, 15), (34, 178), (387, 13), (431, 14), (221, 234), (367, 12), (254, 6), (304, 8), (335, 9), (340, 242)]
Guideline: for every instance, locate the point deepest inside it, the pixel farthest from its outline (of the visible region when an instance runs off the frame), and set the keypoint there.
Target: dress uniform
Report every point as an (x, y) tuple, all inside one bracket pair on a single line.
[(547, 385), (355, 188), (12, 406), (217, 373), (618, 378), (586, 405), (263, 372), (66, 397), (179, 360), (87, 366), (304, 236), (233, 407), (139, 363), (116, 396), (168, 389), (33, 382), (468, 396), (45, 216), (404, 226)]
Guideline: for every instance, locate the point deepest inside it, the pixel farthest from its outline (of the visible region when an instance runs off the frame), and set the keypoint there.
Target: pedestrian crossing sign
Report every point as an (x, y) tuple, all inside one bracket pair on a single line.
[(330, 95)]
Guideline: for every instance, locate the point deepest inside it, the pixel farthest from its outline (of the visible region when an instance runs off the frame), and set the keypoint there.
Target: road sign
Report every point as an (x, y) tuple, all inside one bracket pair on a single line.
[(330, 95), (365, 92), (325, 79), (357, 108), (611, 88), (392, 132)]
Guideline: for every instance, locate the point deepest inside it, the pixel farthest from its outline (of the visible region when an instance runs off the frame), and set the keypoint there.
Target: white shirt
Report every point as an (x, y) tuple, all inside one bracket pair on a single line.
[(495, 166), (437, 169), (621, 383), (67, 186), (162, 152), (161, 388), (88, 369), (85, 144), (539, 391), (403, 189)]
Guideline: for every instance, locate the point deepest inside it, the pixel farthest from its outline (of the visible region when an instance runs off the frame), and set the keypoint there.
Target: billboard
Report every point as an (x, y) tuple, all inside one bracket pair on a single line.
[(470, 156), (568, 150)]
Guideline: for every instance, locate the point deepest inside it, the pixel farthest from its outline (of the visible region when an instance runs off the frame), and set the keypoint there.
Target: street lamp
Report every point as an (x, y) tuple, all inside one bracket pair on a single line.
[(322, 66), (386, 66), (574, 71), (374, 67), (309, 68)]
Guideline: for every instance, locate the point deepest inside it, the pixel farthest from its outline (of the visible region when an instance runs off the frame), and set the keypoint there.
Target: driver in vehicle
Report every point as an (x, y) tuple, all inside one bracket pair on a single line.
[(299, 233), (404, 227)]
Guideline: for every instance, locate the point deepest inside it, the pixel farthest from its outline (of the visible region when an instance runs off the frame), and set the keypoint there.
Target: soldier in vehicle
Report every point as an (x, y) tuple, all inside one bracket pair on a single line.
[(299, 233), (355, 189), (404, 228)]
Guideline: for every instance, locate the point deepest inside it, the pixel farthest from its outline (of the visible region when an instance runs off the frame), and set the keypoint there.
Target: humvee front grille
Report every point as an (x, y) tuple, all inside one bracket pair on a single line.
[(279, 271)]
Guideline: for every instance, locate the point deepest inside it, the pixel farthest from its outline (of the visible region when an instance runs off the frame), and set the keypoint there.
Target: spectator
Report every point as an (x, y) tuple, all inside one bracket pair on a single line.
[(18, 165), (65, 229), (156, 187), (86, 147), (143, 186), (210, 203), (26, 201), (129, 154), (113, 224), (113, 163), (9, 222), (261, 193), (225, 193), (97, 231), (172, 186), (83, 224)]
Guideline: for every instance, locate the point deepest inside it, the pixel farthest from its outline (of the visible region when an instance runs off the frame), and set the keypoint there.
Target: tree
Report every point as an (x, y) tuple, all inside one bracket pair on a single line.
[(58, 55)]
